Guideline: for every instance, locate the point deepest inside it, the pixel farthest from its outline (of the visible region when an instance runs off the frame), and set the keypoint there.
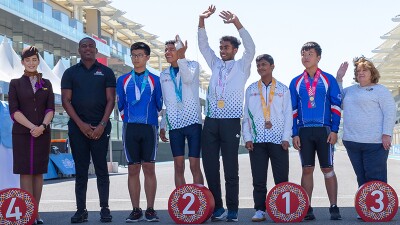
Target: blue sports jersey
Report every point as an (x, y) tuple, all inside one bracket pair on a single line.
[(327, 99), (146, 109)]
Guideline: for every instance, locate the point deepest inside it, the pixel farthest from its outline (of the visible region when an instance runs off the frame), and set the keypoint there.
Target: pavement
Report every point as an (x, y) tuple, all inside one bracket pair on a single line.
[(58, 199)]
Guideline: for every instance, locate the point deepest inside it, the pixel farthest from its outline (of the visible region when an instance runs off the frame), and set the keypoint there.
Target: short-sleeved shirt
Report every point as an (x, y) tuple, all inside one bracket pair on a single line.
[(89, 89)]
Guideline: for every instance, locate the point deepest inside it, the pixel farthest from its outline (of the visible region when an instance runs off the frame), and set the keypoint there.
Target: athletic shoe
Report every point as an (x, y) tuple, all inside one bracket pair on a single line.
[(105, 215), (232, 216), (335, 214), (310, 214), (258, 216), (135, 216), (218, 215), (80, 216), (151, 215)]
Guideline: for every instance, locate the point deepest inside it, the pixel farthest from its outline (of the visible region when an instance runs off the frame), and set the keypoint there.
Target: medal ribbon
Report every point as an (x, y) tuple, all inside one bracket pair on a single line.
[(178, 89), (138, 93), (220, 88), (267, 108), (313, 89)]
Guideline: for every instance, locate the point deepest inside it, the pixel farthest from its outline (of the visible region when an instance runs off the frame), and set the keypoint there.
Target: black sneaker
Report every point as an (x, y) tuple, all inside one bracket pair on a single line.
[(151, 215), (135, 216), (335, 214), (80, 216), (105, 216), (310, 214)]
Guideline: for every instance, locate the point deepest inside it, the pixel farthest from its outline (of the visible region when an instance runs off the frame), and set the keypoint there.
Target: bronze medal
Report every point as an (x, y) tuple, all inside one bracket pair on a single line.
[(268, 125), (220, 104)]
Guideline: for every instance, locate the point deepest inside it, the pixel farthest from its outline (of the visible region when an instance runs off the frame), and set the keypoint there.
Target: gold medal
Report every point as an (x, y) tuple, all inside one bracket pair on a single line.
[(268, 125), (220, 104), (311, 98)]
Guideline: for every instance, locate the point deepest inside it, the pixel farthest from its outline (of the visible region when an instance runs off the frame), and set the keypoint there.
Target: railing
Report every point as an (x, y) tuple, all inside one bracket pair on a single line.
[(32, 15)]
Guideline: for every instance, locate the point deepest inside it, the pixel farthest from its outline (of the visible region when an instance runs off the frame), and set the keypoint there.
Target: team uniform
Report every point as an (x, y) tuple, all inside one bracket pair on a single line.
[(182, 117), (266, 139), (139, 99), (223, 110), (315, 114)]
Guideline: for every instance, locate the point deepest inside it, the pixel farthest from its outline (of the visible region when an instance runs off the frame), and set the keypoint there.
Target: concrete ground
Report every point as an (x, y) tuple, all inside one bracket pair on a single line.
[(58, 199)]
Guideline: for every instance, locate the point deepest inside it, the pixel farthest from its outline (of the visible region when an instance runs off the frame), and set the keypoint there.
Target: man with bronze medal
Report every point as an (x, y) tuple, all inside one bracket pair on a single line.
[(266, 129), (316, 103), (223, 110)]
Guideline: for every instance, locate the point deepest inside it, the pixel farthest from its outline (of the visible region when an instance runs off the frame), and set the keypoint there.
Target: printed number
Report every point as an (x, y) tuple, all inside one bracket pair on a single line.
[(379, 201), (186, 209), (17, 214), (286, 196)]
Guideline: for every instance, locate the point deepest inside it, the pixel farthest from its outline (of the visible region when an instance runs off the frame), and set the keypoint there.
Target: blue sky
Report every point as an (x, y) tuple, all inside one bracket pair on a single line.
[(343, 28)]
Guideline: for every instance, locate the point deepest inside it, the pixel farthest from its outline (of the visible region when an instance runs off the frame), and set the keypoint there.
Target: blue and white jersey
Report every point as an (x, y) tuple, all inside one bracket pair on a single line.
[(327, 110), (145, 110)]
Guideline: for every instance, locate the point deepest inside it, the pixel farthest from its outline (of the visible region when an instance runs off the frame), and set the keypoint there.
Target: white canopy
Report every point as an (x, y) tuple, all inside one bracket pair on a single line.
[(59, 69), (12, 68)]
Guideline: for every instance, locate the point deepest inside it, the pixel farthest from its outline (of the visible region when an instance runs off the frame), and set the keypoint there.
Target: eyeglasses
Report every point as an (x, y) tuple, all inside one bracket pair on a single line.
[(137, 56)]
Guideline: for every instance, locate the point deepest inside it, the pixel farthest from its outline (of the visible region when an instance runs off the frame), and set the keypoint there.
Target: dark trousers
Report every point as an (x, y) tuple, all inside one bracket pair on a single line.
[(369, 161), (222, 135), (82, 147), (259, 158)]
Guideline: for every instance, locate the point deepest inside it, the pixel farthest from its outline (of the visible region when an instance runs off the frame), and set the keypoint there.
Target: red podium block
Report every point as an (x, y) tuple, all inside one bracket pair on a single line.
[(191, 204), (287, 202), (376, 201), (17, 207)]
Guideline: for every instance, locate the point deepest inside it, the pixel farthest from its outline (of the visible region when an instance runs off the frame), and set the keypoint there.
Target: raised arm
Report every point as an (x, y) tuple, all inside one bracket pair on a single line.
[(206, 51), (248, 43)]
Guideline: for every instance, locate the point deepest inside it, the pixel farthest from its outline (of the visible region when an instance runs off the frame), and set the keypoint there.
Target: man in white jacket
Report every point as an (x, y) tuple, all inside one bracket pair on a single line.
[(223, 110), (182, 117), (267, 127)]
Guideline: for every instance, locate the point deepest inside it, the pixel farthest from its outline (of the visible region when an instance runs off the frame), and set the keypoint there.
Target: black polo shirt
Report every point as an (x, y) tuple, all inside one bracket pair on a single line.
[(89, 89)]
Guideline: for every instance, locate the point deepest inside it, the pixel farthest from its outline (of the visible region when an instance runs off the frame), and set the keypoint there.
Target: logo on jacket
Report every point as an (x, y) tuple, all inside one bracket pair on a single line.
[(99, 73)]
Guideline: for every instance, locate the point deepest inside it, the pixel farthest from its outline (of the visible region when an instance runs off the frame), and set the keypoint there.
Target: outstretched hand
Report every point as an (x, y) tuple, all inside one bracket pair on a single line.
[(342, 71), (211, 10), (228, 17), (181, 52)]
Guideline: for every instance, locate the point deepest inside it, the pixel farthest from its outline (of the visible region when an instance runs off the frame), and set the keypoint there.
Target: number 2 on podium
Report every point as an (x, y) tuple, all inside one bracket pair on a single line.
[(186, 209)]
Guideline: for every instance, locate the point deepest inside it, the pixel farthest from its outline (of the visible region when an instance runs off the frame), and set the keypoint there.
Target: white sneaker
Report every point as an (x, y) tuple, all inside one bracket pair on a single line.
[(258, 216)]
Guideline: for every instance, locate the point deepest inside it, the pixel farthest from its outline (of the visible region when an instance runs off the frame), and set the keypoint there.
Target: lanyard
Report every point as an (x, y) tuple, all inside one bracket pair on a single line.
[(311, 91), (220, 88), (267, 108), (138, 93), (178, 89)]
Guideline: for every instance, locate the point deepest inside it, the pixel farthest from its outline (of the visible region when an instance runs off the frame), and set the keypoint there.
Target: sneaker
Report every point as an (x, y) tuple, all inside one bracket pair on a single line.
[(218, 215), (335, 214), (105, 215), (310, 214), (258, 216), (232, 216), (80, 216), (135, 216), (151, 215)]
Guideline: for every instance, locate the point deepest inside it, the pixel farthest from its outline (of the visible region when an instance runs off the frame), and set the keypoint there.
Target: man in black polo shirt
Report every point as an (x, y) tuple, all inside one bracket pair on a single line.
[(88, 96)]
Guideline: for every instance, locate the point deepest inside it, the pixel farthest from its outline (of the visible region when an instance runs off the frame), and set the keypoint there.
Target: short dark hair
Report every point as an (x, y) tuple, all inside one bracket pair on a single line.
[(265, 57), (86, 38), (233, 40), (312, 45), (141, 45), (170, 42)]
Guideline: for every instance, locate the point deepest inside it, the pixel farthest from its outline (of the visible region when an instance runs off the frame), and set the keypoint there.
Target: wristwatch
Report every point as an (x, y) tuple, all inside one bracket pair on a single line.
[(103, 123), (45, 125)]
